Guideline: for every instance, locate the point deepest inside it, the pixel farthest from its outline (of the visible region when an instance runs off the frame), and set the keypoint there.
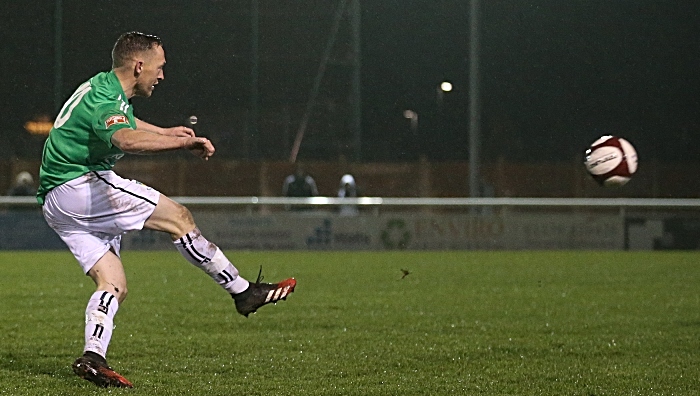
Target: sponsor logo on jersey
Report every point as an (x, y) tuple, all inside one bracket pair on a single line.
[(116, 119)]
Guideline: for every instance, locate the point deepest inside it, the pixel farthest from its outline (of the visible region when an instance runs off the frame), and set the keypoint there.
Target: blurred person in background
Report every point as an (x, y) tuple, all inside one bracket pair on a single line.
[(90, 207), (299, 185), (23, 185), (348, 189)]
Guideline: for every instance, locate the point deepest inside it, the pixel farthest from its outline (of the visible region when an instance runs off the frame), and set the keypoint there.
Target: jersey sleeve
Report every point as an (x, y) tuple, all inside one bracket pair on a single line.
[(109, 119)]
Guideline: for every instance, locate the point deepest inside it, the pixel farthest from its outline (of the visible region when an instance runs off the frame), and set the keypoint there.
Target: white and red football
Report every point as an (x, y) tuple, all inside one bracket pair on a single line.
[(611, 161)]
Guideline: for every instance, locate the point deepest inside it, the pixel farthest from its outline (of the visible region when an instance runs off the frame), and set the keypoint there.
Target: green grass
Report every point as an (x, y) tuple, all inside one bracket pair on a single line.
[(491, 323)]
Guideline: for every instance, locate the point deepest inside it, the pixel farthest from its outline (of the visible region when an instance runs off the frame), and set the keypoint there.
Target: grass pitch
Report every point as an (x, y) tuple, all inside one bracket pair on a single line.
[(491, 323)]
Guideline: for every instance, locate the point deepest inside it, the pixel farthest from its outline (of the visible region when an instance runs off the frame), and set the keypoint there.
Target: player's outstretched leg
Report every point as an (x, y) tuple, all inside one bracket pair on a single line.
[(259, 294), (94, 368), (209, 258)]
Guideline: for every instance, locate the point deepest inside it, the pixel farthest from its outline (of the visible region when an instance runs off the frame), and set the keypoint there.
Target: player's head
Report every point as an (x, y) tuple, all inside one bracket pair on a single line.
[(142, 56), (24, 178), (299, 170)]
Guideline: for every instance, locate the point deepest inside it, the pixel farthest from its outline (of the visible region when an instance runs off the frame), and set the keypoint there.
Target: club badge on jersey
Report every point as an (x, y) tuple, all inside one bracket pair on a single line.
[(116, 119)]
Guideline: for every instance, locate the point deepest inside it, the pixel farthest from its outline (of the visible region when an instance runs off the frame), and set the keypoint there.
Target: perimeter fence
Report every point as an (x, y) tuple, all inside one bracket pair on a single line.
[(384, 223)]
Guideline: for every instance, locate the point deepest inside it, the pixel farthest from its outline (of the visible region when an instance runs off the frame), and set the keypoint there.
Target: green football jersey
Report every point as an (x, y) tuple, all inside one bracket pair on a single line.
[(80, 140)]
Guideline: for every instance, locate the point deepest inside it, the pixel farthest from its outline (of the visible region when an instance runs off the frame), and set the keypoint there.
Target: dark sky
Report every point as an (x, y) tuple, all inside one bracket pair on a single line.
[(555, 74)]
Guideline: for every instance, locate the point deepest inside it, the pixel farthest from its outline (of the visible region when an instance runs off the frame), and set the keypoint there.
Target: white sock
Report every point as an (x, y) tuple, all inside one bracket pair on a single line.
[(210, 259), (99, 322)]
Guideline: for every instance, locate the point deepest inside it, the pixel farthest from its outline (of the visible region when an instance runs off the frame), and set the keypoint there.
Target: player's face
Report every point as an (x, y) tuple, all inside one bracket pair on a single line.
[(151, 71)]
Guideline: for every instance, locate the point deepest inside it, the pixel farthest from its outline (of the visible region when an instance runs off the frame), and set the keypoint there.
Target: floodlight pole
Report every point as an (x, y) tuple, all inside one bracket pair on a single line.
[(356, 100), (340, 11), (474, 102), (58, 56), (254, 72)]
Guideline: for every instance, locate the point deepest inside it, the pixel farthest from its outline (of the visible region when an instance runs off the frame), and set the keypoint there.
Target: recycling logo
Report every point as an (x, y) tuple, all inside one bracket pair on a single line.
[(396, 235)]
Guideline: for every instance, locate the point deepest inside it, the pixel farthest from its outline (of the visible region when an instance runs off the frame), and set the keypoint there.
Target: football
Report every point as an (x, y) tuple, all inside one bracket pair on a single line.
[(611, 161)]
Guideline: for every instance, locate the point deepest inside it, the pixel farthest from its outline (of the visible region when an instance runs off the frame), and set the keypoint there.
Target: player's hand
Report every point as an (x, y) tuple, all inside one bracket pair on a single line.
[(201, 147), (179, 131)]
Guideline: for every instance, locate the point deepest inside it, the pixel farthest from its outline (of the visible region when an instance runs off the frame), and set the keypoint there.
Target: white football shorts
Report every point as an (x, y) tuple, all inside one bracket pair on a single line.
[(91, 213)]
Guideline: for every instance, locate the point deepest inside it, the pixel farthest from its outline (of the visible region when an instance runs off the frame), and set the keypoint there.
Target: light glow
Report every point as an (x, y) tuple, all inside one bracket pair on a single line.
[(446, 86)]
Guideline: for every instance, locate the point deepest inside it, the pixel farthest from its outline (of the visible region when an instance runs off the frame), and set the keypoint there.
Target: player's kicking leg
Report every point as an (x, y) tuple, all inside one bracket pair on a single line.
[(259, 294), (175, 219), (94, 368)]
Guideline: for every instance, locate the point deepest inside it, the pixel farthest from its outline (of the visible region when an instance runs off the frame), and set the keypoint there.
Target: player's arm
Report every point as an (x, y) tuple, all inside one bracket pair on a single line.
[(285, 186), (174, 131), (312, 183), (137, 141)]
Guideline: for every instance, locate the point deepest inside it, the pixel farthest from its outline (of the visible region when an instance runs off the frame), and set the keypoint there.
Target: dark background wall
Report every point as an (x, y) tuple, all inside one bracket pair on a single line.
[(556, 74), (221, 177)]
